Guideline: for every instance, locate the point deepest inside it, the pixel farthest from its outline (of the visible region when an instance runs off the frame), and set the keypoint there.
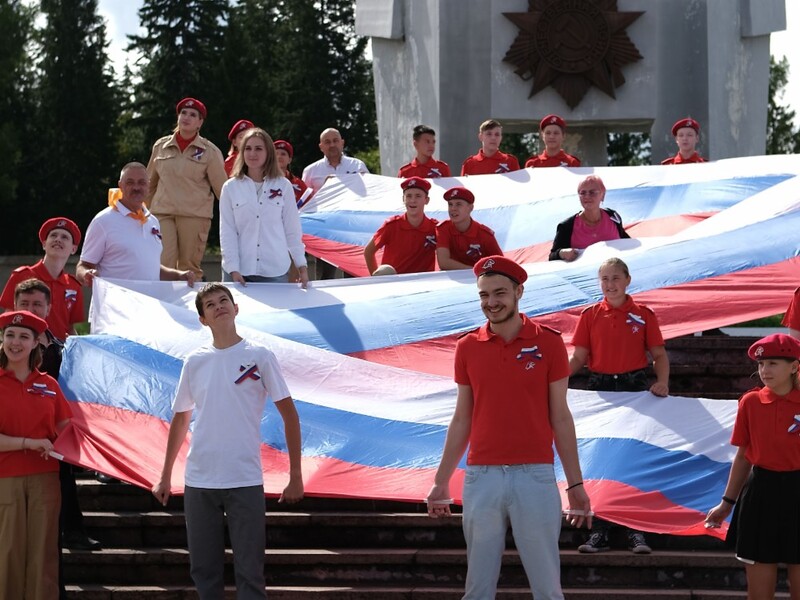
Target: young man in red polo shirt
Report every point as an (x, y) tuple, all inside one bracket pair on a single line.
[(489, 158), (512, 376), (687, 134), (408, 240), (461, 241), (552, 130), (60, 238), (424, 165)]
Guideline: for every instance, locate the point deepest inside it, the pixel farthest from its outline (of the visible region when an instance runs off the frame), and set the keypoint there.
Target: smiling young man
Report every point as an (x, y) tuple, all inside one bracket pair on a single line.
[(687, 134), (60, 238), (226, 385), (424, 165), (489, 158), (461, 241), (408, 240), (552, 130), (512, 376)]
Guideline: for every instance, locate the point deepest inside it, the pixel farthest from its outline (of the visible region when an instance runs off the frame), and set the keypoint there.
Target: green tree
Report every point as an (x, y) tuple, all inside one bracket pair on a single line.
[(16, 28), (782, 136), (67, 153), (179, 55), (628, 149)]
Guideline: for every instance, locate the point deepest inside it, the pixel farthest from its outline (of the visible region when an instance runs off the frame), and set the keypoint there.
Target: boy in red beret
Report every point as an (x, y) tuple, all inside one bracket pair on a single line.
[(686, 133), (60, 238), (489, 158), (408, 240), (552, 130), (461, 241), (284, 153)]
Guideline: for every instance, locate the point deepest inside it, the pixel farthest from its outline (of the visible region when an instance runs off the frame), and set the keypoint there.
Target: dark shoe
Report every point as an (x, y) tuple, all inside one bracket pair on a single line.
[(103, 478), (597, 542), (637, 543), (78, 540)]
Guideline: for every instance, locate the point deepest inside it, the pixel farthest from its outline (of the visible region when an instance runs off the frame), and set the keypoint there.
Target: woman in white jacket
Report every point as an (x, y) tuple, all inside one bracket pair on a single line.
[(259, 228)]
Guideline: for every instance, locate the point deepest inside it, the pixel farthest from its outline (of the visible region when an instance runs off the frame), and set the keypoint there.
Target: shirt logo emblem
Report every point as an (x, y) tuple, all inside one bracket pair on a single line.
[(474, 250), (40, 389), (275, 193), (248, 372), (635, 321), (502, 168), (430, 241), (156, 232), (795, 426), (532, 352), (434, 172), (198, 153)]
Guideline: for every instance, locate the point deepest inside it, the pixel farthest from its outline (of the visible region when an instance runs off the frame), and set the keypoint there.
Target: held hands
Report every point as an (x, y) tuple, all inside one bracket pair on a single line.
[(717, 515), (568, 254), (439, 501), (40, 446), (293, 492), (580, 507)]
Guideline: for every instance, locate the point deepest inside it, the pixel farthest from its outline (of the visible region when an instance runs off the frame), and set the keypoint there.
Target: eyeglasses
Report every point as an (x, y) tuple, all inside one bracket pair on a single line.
[(591, 193)]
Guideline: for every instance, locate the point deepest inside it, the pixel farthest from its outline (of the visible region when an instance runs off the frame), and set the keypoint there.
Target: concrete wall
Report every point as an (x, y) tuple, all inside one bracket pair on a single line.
[(439, 62)]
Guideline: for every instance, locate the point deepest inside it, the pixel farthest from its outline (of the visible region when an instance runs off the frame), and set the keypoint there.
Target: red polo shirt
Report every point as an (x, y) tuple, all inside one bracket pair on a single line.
[(469, 246), (429, 170), (562, 159), (408, 249), (66, 297), (617, 338), (792, 317), (679, 160), (763, 425), (29, 409), (480, 164), (509, 381)]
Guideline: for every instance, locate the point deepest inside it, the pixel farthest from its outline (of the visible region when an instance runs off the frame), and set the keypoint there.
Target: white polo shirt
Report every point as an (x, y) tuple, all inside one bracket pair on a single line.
[(123, 247), (315, 174)]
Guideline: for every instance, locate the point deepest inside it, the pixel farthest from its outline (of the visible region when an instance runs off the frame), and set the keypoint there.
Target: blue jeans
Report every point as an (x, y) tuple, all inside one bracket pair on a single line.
[(526, 498)]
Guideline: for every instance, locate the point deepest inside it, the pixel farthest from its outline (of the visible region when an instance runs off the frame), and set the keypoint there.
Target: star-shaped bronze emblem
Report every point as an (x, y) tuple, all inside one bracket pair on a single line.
[(572, 45)]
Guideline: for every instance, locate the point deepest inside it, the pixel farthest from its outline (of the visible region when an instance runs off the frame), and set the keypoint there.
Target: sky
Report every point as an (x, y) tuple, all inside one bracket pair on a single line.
[(121, 20)]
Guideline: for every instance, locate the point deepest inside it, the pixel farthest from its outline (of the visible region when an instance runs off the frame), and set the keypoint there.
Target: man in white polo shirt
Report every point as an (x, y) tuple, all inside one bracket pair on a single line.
[(123, 241), (334, 161)]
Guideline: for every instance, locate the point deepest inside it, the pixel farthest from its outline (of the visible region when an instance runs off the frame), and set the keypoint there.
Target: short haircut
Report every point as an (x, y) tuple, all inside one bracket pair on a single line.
[(592, 179), (207, 289), (421, 130), (489, 124), (32, 285), (615, 262), (130, 165)]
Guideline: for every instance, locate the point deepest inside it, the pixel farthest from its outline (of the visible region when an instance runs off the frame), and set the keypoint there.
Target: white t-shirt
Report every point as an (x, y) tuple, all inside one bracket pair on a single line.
[(228, 390), (122, 247), (315, 174), (259, 231)]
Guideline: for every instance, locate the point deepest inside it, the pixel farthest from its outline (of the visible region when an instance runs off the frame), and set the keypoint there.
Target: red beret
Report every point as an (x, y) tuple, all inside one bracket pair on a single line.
[(500, 265), (23, 318), (284, 145), (688, 122), (192, 103), (238, 127), (460, 193), (777, 345), (416, 182), (552, 120), (60, 223)]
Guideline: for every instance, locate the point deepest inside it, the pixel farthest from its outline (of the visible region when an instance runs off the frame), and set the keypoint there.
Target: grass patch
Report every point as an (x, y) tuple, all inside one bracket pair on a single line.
[(774, 321)]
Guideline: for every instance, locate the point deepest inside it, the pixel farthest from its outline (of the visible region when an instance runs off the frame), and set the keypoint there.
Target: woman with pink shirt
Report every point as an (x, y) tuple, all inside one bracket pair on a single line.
[(591, 225)]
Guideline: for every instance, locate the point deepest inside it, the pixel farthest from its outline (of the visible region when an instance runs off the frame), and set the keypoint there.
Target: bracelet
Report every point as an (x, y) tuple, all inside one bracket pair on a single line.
[(23, 443), (574, 485), (730, 501)]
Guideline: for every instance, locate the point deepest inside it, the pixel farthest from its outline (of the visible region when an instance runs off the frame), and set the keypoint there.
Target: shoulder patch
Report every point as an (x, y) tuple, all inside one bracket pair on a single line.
[(21, 269), (550, 329), (486, 228), (466, 333)]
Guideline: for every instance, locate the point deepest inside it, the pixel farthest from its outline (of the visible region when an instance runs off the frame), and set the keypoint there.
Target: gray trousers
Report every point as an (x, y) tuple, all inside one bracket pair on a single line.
[(205, 510)]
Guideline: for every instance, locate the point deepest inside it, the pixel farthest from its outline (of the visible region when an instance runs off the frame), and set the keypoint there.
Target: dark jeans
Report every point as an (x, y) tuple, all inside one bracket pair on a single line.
[(632, 381)]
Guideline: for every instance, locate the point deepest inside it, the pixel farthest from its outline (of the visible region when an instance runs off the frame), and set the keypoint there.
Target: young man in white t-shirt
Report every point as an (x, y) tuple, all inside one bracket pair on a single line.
[(227, 383)]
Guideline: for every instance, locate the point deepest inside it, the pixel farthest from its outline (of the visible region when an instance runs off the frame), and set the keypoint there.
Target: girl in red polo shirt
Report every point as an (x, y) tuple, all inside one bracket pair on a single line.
[(32, 412), (764, 482), (614, 337)]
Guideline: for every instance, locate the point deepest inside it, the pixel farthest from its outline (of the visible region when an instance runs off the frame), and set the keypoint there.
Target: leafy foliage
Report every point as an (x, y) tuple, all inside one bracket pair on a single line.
[(782, 136)]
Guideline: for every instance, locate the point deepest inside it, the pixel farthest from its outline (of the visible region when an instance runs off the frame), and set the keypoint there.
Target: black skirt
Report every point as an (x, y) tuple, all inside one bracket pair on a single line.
[(765, 526)]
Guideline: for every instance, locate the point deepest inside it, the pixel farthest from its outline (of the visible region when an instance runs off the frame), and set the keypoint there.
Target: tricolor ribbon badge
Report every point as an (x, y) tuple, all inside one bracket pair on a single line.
[(275, 193), (156, 232), (248, 372), (532, 352), (795, 426), (40, 389), (198, 153), (430, 241), (632, 318), (503, 168), (434, 172), (474, 250)]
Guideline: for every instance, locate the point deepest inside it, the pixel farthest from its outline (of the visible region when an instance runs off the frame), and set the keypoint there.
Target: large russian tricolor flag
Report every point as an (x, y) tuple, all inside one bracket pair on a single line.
[(369, 360)]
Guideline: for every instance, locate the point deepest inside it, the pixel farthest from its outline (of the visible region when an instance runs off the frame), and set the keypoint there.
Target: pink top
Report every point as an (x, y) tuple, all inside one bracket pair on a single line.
[(584, 235)]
